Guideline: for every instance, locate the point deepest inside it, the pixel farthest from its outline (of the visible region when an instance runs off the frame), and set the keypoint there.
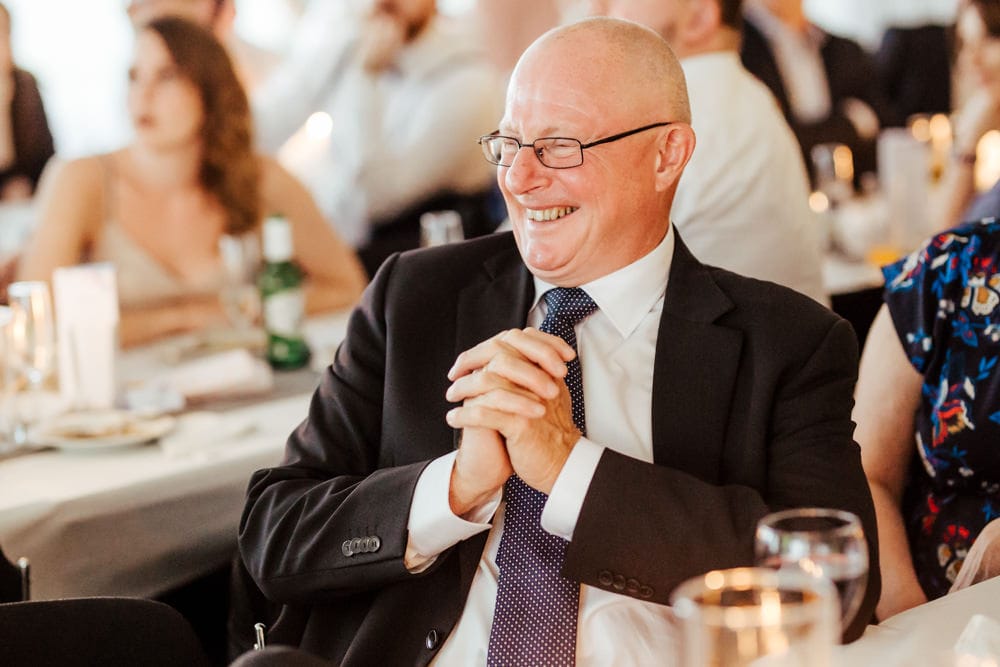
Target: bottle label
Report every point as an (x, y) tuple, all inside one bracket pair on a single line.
[(283, 313)]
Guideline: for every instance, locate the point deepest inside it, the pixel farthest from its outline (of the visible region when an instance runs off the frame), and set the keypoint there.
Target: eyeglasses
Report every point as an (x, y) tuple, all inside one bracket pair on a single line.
[(554, 152)]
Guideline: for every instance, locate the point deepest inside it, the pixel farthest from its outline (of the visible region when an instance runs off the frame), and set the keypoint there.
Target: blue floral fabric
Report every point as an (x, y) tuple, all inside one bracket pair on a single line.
[(945, 304)]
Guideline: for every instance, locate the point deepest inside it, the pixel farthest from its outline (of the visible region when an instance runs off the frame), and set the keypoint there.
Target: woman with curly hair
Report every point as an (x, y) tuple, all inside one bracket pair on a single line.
[(158, 207)]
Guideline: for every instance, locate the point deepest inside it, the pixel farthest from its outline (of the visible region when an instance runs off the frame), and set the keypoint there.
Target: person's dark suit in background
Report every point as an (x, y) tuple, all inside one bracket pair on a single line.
[(914, 69), (746, 384), (858, 108)]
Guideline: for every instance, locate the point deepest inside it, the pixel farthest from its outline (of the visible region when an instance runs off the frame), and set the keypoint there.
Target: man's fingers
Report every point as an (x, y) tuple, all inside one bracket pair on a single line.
[(505, 370), (545, 350)]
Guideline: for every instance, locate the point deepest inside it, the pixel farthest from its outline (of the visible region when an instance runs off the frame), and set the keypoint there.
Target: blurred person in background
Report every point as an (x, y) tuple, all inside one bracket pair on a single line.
[(753, 219), (158, 207), (25, 140), (927, 417), (253, 64), (403, 89), (826, 85), (978, 86)]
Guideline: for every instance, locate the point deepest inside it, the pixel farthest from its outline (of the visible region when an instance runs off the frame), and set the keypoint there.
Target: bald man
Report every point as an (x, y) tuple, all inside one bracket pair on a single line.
[(617, 418)]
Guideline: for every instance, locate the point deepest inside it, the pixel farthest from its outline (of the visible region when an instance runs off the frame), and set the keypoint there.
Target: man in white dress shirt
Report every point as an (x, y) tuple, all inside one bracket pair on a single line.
[(694, 402), (403, 88), (743, 201)]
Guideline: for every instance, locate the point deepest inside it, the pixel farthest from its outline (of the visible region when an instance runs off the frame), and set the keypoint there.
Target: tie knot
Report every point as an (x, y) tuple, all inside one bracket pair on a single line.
[(569, 304)]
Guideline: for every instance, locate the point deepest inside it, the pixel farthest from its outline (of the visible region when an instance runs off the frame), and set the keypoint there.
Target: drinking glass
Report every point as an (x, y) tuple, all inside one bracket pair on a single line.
[(825, 543), (241, 258), (833, 167), (440, 227), (755, 616), (32, 348)]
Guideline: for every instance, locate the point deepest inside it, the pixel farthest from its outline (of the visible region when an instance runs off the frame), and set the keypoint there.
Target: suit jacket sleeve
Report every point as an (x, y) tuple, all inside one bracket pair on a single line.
[(335, 483), (674, 525)]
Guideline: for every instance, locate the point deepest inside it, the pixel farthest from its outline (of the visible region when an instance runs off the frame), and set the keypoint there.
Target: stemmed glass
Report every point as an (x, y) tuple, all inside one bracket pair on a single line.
[(825, 543), (32, 347), (241, 258)]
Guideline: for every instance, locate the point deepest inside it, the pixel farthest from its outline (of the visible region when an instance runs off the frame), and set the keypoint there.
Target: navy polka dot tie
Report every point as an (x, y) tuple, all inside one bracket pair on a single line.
[(535, 618)]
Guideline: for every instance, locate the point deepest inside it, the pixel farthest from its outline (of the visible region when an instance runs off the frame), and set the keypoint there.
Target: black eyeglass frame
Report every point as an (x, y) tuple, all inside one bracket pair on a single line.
[(495, 134)]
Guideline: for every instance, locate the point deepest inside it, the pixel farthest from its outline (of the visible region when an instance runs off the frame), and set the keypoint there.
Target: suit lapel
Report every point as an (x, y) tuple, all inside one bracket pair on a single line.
[(695, 370)]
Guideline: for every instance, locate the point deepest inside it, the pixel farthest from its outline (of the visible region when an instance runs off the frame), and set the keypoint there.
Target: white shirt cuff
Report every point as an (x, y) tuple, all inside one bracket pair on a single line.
[(432, 526), (562, 509)]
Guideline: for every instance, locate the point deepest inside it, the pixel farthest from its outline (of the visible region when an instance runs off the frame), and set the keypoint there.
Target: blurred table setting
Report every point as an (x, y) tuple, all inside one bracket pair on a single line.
[(143, 494)]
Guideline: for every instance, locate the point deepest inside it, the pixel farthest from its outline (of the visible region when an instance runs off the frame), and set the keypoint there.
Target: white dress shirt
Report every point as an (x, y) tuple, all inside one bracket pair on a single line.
[(396, 137), (617, 347), (742, 203)]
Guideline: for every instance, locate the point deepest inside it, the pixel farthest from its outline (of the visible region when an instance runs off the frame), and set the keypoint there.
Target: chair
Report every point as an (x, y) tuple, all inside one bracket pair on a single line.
[(108, 631), (15, 580)]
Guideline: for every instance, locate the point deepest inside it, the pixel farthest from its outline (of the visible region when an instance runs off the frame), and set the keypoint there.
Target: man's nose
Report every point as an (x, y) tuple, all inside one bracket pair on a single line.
[(525, 171)]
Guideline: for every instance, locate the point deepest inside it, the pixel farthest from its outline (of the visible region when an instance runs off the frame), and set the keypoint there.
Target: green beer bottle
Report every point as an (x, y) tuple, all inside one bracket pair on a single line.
[(282, 297)]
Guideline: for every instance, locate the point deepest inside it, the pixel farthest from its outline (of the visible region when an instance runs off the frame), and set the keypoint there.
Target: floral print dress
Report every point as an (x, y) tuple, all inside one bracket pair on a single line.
[(945, 304)]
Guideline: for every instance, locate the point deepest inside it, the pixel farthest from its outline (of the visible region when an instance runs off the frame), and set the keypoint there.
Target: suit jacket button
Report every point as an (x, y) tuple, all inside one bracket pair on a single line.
[(356, 545), (619, 582), (645, 592), (346, 549), (604, 578), (376, 543), (632, 586), (431, 640)]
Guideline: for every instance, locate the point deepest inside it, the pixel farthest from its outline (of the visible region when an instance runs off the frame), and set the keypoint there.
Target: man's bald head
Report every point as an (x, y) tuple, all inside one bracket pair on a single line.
[(626, 64), (614, 91)]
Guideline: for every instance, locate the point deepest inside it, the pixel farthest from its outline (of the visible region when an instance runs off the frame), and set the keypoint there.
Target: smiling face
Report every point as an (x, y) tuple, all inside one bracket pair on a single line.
[(575, 225), (165, 106)]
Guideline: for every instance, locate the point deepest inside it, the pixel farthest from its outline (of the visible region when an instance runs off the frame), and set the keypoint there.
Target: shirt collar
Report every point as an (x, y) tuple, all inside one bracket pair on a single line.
[(628, 294)]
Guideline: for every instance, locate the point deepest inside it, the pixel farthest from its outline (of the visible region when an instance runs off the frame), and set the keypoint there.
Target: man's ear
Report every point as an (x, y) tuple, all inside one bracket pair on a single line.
[(673, 152)]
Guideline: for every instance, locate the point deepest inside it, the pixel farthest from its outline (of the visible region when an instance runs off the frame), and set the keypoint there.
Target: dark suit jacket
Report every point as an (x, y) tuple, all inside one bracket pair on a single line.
[(751, 412), (850, 72)]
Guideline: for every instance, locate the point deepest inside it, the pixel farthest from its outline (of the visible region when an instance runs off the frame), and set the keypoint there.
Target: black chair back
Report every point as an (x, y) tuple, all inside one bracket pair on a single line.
[(81, 632)]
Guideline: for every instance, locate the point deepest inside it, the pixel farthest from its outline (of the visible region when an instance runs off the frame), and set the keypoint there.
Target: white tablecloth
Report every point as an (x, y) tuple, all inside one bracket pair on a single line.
[(922, 636), (139, 520)]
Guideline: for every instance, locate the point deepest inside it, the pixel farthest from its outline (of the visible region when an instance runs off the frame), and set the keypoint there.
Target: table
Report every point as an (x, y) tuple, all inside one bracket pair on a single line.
[(136, 521), (921, 636), (140, 521)]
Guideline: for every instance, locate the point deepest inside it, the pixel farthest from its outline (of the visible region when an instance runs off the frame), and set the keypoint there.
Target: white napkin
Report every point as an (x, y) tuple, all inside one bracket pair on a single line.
[(231, 373), (198, 431), (980, 639)]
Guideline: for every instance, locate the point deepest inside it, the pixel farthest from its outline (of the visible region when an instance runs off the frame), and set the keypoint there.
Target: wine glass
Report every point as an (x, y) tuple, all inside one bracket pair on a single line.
[(241, 258), (825, 543), (32, 347)]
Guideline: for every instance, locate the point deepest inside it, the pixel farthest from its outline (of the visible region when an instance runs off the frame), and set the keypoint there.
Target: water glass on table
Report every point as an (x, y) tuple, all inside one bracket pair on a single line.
[(241, 259), (31, 353), (824, 543), (755, 617)]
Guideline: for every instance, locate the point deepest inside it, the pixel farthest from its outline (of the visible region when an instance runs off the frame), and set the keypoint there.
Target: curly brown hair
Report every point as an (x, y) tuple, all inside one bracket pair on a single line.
[(229, 167)]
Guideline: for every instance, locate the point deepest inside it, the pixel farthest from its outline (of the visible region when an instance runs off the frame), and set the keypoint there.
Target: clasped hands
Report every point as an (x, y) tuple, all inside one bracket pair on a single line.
[(515, 412)]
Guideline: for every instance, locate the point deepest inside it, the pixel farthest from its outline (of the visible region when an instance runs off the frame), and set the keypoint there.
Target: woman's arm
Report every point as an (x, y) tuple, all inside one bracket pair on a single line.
[(335, 278), (887, 398), (69, 211), (143, 324)]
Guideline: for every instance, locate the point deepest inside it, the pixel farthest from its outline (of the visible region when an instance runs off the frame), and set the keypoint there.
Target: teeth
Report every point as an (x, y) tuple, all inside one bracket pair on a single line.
[(541, 215)]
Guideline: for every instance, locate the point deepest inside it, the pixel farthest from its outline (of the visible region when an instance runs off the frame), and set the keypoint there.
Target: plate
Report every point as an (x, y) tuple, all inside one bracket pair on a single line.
[(97, 430)]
